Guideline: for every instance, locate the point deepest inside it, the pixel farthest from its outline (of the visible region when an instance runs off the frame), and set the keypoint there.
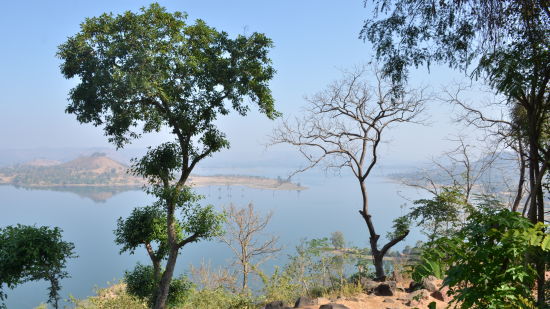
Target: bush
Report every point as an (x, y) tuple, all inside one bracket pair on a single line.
[(219, 298), (140, 282), (486, 260)]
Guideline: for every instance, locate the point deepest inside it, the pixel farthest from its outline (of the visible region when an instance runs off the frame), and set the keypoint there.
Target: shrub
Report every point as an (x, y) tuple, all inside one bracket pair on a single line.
[(219, 298), (141, 283), (486, 260)]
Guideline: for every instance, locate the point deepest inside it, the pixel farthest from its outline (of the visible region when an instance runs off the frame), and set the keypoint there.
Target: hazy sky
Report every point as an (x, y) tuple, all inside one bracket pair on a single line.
[(313, 41)]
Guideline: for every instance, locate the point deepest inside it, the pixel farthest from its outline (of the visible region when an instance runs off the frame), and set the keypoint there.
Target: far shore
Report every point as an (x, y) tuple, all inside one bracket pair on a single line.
[(194, 180)]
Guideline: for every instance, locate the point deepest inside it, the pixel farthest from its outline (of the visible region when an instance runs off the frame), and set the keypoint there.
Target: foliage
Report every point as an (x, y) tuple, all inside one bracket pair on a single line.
[(155, 69), (219, 298), (337, 240), (400, 227), (507, 38), (112, 297), (439, 216), (29, 253), (144, 226), (485, 261), (279, 286), (433, 261), (140, 282)]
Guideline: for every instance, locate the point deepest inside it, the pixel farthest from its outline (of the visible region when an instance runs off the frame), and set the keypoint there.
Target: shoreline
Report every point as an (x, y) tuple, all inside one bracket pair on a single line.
[(254, 182)]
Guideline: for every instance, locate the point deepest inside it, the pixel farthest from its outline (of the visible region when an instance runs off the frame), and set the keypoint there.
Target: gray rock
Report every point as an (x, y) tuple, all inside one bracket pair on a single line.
[(368, 285), (333, 306), (304, 301), (429, 284), (388, 300), (384, 289)]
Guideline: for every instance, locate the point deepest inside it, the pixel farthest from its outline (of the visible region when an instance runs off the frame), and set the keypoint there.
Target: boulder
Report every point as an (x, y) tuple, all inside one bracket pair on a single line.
[(420, 294), (413, 286), (441, 294), (304, 301), (385, 289), (431, 283), (368, 285), (333, 306), (437, 295)]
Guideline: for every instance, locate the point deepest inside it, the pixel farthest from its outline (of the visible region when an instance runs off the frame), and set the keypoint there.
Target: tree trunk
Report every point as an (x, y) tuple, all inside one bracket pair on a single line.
[(377, 255), (164, 285), (379, 266), (245, 277)]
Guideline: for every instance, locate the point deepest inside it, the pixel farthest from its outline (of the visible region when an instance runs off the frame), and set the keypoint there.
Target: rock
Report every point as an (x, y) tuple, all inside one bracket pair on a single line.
[(384, 289), (368, 285), (419, 295), (413, 286), (304, 301), (430, 283), (437, 295), (388, 300), (441, 294), (333, 306)]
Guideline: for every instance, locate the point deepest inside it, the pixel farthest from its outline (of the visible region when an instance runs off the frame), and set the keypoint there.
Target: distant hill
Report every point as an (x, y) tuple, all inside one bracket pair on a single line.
[(94, 170), (98, 170)]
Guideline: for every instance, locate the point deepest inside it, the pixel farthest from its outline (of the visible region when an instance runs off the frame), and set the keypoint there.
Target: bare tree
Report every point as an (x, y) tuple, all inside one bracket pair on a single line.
[(502, 131), (243, 227), (462, 167), (206, 277), (343, 128)]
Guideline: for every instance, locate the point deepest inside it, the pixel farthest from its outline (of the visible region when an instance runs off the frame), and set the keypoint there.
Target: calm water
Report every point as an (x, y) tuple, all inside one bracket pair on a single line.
[(330, 204)]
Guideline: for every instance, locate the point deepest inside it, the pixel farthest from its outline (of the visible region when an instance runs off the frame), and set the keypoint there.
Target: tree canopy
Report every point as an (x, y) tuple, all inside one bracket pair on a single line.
[(506, 39), (29, 253), (154, 69)]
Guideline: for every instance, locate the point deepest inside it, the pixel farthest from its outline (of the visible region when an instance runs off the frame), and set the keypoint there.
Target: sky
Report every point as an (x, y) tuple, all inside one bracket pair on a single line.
[(314, 41)]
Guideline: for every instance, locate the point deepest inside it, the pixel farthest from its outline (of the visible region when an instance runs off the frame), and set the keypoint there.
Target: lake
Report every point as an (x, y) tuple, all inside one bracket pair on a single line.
[(330, 203)]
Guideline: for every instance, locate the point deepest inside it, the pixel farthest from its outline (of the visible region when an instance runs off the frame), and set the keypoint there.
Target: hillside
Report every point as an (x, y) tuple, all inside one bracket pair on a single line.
[(98, 170), (94, 170)]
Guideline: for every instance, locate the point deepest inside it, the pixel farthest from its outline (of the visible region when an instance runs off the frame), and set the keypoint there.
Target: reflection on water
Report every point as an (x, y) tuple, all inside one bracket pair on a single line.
[(95, 193)]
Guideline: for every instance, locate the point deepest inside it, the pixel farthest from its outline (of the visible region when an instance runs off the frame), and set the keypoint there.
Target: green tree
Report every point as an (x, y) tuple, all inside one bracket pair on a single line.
[(485, 262), (507, 42), (337, 240), (441, 215), (30, 253), (146, 227), (140, 72)]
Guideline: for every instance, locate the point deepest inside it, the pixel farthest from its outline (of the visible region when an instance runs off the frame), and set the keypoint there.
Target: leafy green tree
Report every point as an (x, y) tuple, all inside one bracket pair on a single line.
[(507, 42), (146, 227), (141, 72), (441, 215), (142, 283), (30, 253), (485, 261)]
